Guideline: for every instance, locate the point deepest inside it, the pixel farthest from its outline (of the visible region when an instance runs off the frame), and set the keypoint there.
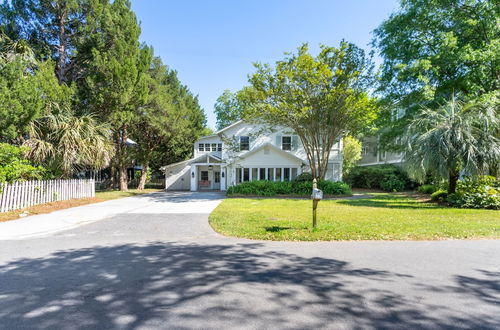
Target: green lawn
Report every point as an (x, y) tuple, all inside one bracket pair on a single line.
[(379, 217), (114, 194)]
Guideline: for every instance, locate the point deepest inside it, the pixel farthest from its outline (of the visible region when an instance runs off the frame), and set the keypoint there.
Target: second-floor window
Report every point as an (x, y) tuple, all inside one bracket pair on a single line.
[(201, 147), (244, 143), (214, 146), (286, 142), (219, 147), (207, 146)]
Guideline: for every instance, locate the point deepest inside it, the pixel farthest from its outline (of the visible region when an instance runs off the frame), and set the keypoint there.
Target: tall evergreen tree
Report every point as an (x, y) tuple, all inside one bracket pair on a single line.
[(115, 83)]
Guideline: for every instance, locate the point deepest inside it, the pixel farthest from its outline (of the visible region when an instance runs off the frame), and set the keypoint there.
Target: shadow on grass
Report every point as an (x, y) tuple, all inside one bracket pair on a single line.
[(275, 229), (399, 201), (184, 286)]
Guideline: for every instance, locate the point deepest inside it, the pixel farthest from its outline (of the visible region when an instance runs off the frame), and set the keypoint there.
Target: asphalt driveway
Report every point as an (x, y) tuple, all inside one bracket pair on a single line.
[(154, 262)]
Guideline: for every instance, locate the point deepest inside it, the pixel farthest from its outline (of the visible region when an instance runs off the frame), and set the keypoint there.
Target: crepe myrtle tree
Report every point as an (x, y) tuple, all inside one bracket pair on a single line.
[(321, 98)]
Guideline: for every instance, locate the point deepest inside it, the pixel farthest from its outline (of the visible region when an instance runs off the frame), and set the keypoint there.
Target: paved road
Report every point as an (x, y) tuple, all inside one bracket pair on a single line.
[(159, 265)]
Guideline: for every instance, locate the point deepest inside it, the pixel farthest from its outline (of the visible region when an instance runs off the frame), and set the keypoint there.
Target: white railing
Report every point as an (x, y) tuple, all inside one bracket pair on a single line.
[(19, 195)]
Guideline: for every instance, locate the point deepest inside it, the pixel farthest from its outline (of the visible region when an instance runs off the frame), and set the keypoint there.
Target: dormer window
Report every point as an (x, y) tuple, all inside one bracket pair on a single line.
[(201, 147), (286, 143), (207, 146), (244, 143), (219, 147), (214, 146)]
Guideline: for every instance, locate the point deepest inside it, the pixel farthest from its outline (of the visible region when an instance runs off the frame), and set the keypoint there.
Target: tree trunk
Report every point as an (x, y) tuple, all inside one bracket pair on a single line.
[(452, 183), (144, 176), (123, 178)]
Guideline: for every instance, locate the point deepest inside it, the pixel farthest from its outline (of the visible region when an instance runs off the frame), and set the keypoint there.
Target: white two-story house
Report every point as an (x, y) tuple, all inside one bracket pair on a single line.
[(245, 152)]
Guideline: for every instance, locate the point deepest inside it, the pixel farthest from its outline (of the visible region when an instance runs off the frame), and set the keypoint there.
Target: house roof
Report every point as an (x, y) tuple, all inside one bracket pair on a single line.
[(271, 146), (192, 160)]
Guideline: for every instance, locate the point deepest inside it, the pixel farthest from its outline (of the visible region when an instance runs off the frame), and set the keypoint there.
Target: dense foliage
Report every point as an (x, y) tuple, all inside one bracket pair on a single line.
[(14, 167), (432, 49), (79, 64), (452, 138), (481, 193), (385, 177), (302, 188), (427, 189)]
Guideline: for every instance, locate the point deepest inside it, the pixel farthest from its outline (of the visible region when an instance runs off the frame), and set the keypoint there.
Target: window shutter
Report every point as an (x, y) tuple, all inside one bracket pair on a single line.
[(278, 141), (295, 142)]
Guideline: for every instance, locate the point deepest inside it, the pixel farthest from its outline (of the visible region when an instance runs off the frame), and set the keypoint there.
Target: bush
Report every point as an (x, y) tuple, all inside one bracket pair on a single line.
[(303, 188), (14, 167), (304, 177), (392, 183), (482, 193), (385, 177), (427, 189), (439, 195)]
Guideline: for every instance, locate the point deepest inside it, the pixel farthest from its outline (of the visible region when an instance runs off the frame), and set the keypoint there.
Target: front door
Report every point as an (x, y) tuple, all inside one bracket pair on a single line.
[(216, 184)]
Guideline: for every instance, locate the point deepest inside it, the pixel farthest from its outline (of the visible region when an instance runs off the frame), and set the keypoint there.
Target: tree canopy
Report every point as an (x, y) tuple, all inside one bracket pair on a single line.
[(321, 98), (433, 49)]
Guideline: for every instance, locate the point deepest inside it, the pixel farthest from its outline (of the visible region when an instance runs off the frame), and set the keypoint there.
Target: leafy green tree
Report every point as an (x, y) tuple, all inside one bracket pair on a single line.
[(159, 119), (456, 137), (227, 109), (115, 83), (351, 153), (321, 98), (433, 49), (14, 166)]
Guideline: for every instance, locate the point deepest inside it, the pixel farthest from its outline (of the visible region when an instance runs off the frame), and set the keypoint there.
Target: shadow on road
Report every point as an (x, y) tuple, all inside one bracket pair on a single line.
[(206, 286)]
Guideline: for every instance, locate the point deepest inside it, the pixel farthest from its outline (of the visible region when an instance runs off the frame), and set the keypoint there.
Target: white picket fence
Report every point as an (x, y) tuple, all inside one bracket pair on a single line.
[(19, 195)]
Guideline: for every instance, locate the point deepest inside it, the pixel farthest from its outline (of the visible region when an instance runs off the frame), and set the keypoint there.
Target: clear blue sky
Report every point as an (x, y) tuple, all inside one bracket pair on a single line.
[(213, 43)]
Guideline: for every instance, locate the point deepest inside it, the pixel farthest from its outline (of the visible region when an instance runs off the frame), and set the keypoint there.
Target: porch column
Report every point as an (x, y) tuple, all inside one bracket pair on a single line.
[(193, 174), (223, 178)]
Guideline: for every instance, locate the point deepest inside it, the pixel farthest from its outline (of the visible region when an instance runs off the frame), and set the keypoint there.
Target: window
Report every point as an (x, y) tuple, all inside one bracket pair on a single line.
[(204, 175), (207, 146), (270, 174), (214, 146), (238, 175), (255, 173), (262, 173), (244, 143), (294, 173), (217, 177), (365, 149), (286, 174), (278, 174), (201, 147), (286, 143), (219, 147), (246, 174)]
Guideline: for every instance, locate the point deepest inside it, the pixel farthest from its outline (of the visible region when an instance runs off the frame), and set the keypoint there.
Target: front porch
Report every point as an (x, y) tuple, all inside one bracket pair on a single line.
[(209, 175)]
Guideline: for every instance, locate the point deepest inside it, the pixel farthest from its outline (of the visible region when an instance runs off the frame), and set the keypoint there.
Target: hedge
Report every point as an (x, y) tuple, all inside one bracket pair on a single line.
[(385, 177), (273, 188)]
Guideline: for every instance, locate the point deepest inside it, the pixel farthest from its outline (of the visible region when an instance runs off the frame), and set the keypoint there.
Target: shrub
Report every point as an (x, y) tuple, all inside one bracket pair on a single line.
[(272, 188), (14, 167), (484, 193), (386, 177), (427, 189), (304, 177), (392, 183), (439, 195)]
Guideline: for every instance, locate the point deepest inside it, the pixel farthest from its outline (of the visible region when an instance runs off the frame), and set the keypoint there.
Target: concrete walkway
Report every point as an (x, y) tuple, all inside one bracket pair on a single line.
[(43, 224), (155, 263)]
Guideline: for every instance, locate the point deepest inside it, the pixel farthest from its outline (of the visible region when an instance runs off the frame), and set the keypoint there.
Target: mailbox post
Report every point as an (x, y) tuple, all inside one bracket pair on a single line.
[(316, 196)]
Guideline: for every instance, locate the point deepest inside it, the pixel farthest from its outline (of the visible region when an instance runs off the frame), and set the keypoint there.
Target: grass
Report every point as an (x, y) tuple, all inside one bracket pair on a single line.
[(100, 196), (381, 216)]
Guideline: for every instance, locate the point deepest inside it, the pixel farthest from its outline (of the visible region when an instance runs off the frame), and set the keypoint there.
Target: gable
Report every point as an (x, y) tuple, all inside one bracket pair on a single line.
[(269, 155)]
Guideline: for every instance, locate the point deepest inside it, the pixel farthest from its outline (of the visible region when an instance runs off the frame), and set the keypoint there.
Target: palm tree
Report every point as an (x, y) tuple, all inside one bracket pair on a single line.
[(65, 143), (457, 137)]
